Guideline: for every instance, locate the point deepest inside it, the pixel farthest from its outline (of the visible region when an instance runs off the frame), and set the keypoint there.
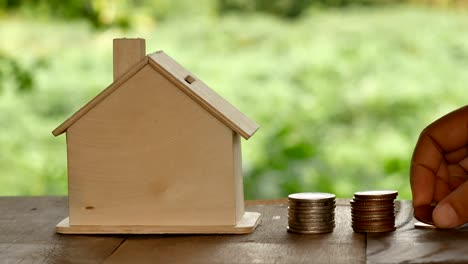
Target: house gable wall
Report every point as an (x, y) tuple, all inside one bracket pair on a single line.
[(150, 155)]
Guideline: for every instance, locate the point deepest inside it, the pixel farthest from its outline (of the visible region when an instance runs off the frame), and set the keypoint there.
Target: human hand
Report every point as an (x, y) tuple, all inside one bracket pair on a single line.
[(439, 170)]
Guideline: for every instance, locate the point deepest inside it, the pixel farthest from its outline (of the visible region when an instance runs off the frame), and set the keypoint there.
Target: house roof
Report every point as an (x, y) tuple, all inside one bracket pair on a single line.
[(188, 83)]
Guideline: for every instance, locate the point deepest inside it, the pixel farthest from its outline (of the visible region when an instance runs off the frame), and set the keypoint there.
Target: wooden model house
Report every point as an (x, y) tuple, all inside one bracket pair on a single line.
[(157, 151)]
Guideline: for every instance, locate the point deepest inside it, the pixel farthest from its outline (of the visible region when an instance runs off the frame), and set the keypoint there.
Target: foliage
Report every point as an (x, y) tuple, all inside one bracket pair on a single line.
[(292, 8), (127, 13), (341, 95), (12, 71)]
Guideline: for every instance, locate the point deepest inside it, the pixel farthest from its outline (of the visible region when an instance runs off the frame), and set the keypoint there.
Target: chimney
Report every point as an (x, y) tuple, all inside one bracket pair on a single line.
[(127, 53)]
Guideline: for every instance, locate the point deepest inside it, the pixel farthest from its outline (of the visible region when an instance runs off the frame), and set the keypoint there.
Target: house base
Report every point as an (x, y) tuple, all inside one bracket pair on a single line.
[(247, 225)]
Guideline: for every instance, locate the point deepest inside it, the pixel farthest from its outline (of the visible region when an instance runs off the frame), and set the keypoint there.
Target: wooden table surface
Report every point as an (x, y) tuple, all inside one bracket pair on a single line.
[(27, 236)]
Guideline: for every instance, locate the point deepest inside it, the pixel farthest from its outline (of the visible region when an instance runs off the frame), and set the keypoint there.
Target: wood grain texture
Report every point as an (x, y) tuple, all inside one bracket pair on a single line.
[(150, 155), (27, 234), (414, 245), (270, 243)]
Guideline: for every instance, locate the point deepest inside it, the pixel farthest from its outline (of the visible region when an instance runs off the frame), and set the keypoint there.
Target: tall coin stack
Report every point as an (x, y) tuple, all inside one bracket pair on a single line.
[(311, 213), (373, 211)]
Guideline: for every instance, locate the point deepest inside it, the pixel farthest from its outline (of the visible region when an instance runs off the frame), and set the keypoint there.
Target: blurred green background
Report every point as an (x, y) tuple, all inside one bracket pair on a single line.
[(340, 88)]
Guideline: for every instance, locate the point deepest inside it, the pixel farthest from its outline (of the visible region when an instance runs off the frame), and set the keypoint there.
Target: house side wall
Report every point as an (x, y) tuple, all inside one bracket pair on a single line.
[(238, 178), (149, 155)]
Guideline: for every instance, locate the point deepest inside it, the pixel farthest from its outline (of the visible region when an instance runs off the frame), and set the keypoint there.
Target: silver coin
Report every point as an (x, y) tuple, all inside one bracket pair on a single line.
[(324, 207), (313, 204), (375, 200), (372, 216), (372, 210), (311, 228), (310, 223), (377, 194), (369, 225), (308, 232), (372, 213), (382, 230), (369, 219), (312, 197), (372, 227), (311, 212), (309, 206), (311, 219), (380, 203)]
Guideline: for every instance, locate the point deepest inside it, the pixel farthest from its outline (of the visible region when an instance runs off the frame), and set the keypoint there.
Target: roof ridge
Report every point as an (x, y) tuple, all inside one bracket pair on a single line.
[(184, 80), (203, 94)]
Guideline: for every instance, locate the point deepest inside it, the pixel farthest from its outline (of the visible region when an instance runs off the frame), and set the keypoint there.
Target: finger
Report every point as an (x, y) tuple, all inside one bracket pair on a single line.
[(453, 210), (442, 188), (425, 164), (455, 170), (464, 164), (456, 181), (457, 155), (450, 131), (456, 176)]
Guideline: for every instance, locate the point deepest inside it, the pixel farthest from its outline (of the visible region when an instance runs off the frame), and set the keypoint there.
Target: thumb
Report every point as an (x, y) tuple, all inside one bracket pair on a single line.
[(452, 211)]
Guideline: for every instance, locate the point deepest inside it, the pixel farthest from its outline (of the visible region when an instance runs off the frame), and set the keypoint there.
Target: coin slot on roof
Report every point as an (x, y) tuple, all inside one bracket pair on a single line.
[(189, 79)]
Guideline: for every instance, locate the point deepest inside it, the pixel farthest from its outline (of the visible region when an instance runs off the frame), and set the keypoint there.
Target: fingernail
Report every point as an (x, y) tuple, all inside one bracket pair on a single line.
[(444, 216)]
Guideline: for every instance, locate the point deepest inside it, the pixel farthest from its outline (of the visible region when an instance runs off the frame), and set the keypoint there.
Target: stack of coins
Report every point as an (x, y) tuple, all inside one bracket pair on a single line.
[(373, 211), (311, 213)]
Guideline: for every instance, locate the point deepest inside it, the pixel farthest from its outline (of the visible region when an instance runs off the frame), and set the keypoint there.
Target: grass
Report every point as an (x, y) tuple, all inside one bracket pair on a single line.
[(341, 95)]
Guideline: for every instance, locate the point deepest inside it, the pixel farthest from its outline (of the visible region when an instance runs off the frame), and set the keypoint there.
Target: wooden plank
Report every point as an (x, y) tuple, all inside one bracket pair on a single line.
[(150, 155), (27, 234), (415, 245), (270, 243), (238, 177), (245, 225)]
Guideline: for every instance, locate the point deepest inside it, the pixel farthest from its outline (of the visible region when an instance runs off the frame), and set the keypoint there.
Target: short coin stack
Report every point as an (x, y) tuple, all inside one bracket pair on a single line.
[(373, 211), (311, 213)]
